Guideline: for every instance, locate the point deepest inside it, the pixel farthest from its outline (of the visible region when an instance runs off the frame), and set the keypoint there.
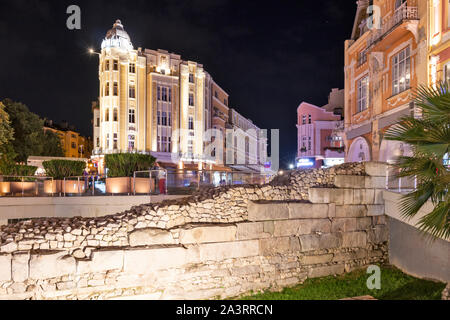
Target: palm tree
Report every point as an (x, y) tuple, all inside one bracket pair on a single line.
[(429, 138)]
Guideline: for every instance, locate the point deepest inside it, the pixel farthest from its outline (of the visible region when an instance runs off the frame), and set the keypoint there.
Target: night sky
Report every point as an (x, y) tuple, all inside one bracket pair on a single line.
[(269, 56)]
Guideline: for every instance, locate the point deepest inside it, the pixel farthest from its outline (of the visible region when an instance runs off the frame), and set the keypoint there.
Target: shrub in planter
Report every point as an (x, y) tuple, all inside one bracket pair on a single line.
[(22, 184), (60, 169), (121, 168)]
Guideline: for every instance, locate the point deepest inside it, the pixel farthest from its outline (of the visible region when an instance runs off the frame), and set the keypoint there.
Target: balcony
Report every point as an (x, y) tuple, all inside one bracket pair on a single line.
[(403, 13)]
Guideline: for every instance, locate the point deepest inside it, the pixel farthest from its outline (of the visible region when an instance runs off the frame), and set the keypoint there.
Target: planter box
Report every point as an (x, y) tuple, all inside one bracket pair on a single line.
[(126, 185), (52, 186), (5, 187), (143, 185), (72, 186), (27, 187)]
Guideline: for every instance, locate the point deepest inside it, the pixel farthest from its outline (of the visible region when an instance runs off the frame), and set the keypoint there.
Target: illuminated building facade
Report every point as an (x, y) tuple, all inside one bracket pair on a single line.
[(152, 101), (385, 59)]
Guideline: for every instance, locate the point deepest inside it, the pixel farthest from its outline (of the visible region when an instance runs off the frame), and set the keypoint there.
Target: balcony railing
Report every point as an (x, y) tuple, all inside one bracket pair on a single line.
[(404, 13)]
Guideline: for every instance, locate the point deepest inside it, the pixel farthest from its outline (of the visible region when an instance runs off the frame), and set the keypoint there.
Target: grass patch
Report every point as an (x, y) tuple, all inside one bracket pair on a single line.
[(395, 285)]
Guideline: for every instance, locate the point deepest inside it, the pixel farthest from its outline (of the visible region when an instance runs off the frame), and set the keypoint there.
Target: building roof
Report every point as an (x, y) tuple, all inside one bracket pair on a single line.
[(117, 37)]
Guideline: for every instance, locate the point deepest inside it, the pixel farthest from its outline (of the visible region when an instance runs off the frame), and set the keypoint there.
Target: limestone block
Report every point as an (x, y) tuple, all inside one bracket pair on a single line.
[(317, 272), (343, 224), (307, 210), (101, 261), (375, 210), (5, 267), (292, 227), (347, 181), (379, 199), (149, 260), (378, 234), (363, 223), (316, 259), (349, 256), (208, 234), (251, 231), (148, 237), (227, 250), (45, 266), (309, 242), (351, 211), (375, 169), (267, 211), (330, 240), (357, 239), (321, 195), (363, 196), (331, 210), (375, 182), (274, 245), (19, 267)]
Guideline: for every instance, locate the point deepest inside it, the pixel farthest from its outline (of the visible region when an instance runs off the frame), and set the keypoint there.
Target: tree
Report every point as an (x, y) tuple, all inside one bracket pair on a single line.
[(6, 132), (27, 130), (29, 136), (51, 145), (429, 138)]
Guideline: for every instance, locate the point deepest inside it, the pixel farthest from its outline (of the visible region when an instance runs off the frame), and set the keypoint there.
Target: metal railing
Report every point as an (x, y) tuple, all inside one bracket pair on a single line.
[(405, 12), (399, 184), (23, 185)]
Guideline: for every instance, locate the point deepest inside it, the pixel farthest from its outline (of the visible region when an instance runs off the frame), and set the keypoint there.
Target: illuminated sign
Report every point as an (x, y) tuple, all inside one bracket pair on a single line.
[(306, 162)]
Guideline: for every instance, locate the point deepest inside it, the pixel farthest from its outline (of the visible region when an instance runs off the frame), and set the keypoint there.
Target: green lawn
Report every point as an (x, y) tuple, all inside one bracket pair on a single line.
[(395, 285)]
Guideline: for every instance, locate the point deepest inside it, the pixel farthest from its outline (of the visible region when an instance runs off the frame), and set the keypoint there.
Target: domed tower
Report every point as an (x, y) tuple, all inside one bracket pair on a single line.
[(122, 89)]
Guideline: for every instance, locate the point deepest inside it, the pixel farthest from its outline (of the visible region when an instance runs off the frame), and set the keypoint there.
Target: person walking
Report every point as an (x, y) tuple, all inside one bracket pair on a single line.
[(161, 179)]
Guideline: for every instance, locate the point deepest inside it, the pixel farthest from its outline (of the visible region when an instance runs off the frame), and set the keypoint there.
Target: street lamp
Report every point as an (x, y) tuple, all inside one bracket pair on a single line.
[(291, 166), (92, 51)]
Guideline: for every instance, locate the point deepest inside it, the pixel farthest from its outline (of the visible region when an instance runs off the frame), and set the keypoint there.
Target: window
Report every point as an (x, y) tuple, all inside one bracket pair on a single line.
[(97, 142), (116, 89), (164, 118), (107, 65), (158, 92), (309, 119), (158, 117), (107, 115), (107, 89), (132, 68), (132, 92), (191, 99), (131, 140), (170, 94), (303, 119), (107, 141), (191, 78), (74, 145), (191, 123), (446, 72), (362, 57), (115, 141), (97, 122), (131, 116), (115, 115), (225, 102), (401, 71), (164, 94), (361, 98), (309, 143), (116, 65)]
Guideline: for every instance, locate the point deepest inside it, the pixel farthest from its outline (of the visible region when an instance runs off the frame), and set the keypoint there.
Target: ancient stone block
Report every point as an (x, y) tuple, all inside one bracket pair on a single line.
[(227, 250), (317, 272), (363, 196), (379, 199), (148, 237), (321, 195), (349, 256), (45, 266), (375, 210), (378, 234), (375, 169), (267, 211), (277, 245), (149, 260), (375, 182), (208, 234), (101, 261), (316, 259), (347, 181), (351, 211), (251, 231), (307, 210), (330, 240), (5, 267), (355, 239), (343, 224), (20, 266), (309, 242)]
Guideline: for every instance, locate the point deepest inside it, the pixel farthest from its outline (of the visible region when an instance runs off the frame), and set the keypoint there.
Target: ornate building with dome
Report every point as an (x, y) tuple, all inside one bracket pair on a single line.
[(152, 101)]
